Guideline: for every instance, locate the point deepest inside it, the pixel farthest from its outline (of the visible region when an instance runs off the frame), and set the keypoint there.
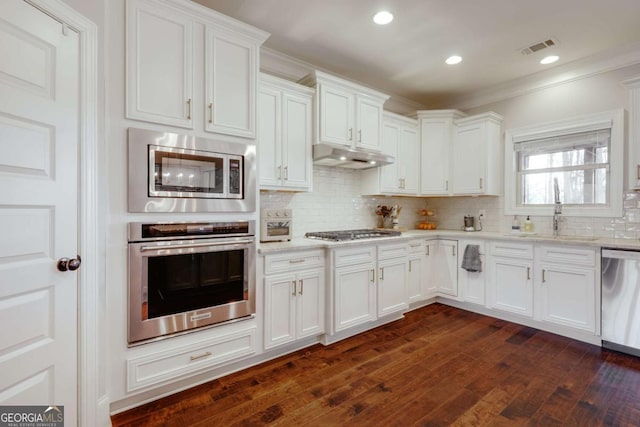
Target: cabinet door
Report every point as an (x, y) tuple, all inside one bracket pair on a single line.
[(389, 178), (510, 285), (468, 167), (336, 115), (269, 138), (448, 259), (296, 141), (369, 129), (230, 83), (159, 65), (409, 160), (472, 283), (415, 278), (354, 295), (567, 296), (435, 135), (392, 286), (310, 303), (279, 313), (430, 274)]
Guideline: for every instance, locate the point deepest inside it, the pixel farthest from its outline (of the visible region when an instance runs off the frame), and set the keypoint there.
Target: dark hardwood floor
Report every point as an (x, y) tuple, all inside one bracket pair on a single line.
[(439, 366)]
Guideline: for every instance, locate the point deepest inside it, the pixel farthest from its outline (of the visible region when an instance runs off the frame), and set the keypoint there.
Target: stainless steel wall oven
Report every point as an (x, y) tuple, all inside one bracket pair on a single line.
[(189, 274), (170, 172)]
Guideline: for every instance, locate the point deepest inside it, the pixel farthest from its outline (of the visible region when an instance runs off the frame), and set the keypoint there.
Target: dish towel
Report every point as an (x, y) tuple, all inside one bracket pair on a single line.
[(471, 258)]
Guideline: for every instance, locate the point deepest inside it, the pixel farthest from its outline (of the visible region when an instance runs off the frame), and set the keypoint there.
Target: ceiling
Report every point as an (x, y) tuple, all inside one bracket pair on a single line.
[(406, 57)]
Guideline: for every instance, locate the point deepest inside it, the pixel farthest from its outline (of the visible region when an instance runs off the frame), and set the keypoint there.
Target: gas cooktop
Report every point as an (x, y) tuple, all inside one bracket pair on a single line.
[(342, 235)]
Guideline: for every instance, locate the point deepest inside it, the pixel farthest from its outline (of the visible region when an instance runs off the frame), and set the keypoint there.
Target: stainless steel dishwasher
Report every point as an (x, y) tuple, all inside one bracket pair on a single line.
[(621, 300)]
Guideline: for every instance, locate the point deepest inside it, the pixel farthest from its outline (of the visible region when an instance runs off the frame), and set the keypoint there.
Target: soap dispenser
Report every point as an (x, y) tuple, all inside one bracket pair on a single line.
[(515, 226), (528, 225)]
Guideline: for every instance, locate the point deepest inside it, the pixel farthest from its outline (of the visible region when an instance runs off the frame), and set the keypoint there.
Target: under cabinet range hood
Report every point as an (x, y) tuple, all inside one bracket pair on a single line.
[(329, 155)]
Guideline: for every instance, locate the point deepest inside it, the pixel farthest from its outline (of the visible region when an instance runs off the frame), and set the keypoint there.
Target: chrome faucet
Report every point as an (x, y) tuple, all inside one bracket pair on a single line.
[(558, 209)]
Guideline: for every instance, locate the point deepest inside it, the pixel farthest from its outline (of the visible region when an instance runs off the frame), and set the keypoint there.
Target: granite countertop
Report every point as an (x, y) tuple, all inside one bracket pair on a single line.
[(303, 243)]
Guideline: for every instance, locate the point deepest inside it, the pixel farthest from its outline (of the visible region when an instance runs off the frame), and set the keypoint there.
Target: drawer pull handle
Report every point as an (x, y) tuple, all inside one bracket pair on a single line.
[(189, 109), (544, 279), (453, 250), (414, 245), (201, 356), (381, 275), (428, 250), (294, 288), (360, 135), (211, 112), (301, 287), (296, 261), (410, 262), (373, 275), (528, 273)]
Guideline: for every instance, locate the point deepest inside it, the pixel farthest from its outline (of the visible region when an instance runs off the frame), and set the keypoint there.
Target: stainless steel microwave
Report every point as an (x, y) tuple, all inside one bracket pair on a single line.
[(171, 172)]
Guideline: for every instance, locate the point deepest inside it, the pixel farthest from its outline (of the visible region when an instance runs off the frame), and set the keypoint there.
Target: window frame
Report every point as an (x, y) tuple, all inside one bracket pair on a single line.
[(613, 120)]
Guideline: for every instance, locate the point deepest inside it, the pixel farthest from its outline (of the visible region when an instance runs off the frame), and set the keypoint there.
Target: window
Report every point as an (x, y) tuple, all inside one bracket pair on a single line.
[(583, 155)]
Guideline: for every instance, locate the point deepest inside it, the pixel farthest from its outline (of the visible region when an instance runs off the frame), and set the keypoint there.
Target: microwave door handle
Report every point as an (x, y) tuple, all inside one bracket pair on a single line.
[(193, 245)]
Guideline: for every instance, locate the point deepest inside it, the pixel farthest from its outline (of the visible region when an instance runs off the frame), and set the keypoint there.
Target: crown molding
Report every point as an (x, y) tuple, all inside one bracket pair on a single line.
[(287, 67), (576, 70)]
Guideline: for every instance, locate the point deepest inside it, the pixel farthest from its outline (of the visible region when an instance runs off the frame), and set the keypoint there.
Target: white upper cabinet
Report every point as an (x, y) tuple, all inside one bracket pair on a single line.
[(347, 114), (231, 67), (400, 140), (476, 161), (460, 156), (164, 41), (159, 65), (284, 134), (436, 136)]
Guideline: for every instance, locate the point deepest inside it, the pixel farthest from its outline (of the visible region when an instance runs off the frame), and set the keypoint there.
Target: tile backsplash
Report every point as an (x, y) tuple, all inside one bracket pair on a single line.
[(336, 204)]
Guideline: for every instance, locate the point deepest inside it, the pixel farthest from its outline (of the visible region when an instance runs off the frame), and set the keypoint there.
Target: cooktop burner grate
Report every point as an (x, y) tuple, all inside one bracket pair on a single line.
[(342, 235)]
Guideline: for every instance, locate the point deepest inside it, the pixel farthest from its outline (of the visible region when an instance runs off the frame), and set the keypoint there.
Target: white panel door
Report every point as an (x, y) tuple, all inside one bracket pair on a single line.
[(38, 209), (354, 295), (279, 313), (415, 278), (269, 138), (231, 80), (467, 161), (296, 141), (448, 268), (435, 135), (409, 160), (159, 65), (510, 285), (389, 178), (369, 132), (392, 286), (567, 296), (336, 116), (310, 303)]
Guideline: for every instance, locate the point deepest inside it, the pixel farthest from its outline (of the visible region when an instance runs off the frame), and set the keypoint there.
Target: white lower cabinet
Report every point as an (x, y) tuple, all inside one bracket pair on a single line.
[(565, 282), (354, 296), (415, 277), (447, 279), (509, 278), (393, 271), (430, 269), (294, 301), (471, 284)]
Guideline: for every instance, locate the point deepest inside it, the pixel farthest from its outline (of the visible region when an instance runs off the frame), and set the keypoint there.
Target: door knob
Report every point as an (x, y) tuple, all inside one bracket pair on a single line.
[(66, 264)]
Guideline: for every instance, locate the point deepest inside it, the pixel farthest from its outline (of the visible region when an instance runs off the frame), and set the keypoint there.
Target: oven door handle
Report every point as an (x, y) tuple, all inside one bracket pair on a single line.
[(193, 245)]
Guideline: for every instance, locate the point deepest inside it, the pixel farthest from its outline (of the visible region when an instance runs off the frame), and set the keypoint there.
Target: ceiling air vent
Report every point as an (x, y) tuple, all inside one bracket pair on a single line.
[(539, 46)]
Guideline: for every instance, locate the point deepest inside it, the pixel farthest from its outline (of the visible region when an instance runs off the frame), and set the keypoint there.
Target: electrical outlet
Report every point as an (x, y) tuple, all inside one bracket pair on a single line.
[(482, 213)]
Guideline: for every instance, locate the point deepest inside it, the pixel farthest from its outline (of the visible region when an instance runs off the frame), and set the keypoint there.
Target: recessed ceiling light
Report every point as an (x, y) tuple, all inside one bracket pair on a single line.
[(382, 18), (455, 59), (549, 59)]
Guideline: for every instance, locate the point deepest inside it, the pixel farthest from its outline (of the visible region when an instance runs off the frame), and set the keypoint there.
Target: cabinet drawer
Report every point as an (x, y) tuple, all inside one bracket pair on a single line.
[(569, 255), (170, 365), (354, 255), (416, 246), (512, 250), (282, 263), (395, 250)]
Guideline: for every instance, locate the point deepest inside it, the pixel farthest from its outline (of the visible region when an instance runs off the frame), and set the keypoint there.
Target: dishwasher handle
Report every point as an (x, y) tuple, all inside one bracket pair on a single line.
[(618, 254)]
